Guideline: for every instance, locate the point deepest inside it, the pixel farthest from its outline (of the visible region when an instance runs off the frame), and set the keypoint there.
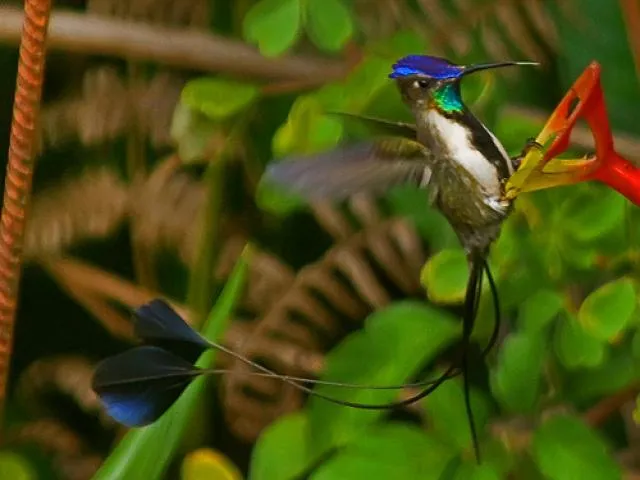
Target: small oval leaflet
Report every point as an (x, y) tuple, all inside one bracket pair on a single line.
[(517, 379), (607, 311), (218, 98), (564, 448), (274, 25), (575, 347), (444, 276), (282, 450), (328, 23), (539, 310)]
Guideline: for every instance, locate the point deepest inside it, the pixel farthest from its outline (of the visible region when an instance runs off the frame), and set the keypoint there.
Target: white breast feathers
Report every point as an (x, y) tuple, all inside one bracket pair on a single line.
[(457, 140)]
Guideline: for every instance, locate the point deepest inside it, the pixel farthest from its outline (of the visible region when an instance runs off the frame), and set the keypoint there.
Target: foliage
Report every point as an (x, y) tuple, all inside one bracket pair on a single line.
[(275, 25), (566, 263), (15, 466)]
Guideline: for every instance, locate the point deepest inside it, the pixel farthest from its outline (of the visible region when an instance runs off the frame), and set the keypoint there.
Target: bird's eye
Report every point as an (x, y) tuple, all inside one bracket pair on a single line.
[(422, 84)]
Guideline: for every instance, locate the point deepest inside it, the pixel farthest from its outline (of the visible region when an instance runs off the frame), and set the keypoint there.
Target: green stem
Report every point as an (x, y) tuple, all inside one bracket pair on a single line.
[(199, 294)]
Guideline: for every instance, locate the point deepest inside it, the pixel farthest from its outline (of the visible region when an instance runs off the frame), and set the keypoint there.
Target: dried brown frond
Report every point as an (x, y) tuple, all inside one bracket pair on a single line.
[(379, 19), (90, 206), (509, 28), (108, 107), (349, 282), (70, 455), (268, 278), (45, 380), (166, 210), (364, 210), (66, 375), (188, 13), (50, 435), (94, 204)]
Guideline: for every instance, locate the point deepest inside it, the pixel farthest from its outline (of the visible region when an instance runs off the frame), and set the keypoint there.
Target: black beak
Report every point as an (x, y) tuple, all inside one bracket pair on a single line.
[(487, 66)]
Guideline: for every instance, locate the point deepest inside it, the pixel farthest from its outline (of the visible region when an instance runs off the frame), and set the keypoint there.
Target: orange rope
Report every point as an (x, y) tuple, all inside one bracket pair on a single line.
[(17, 190)]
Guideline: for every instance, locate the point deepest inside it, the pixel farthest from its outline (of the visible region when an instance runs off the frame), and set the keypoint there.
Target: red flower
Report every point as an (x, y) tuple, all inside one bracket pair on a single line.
[(542, 169)]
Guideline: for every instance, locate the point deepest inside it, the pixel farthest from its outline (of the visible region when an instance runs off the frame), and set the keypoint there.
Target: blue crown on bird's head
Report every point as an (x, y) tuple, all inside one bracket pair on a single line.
[(434, 67), (440, 68)]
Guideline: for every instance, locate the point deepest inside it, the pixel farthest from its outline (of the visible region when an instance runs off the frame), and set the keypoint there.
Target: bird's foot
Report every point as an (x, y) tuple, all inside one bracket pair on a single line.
[(528, 146)]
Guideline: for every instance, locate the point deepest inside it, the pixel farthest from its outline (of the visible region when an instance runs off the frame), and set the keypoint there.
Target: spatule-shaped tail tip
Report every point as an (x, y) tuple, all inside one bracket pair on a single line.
[(158, 324), (138, 386)]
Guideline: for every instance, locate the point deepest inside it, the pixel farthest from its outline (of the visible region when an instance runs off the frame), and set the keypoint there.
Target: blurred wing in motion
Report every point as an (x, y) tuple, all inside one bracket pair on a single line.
[(382, 127), (158, 324), (372, 167), (136, 387)]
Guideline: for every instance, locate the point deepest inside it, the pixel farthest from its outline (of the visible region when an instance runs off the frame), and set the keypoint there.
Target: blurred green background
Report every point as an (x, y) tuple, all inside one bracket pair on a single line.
[(158, 119)]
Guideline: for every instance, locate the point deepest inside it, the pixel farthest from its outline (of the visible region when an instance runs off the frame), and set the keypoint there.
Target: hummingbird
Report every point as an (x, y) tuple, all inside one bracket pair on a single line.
[(448, 151)]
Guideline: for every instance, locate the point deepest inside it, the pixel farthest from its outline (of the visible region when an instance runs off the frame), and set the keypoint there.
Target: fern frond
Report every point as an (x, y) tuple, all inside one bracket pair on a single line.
[(508, 28), (90, 206), (355, 277), (108, 107)]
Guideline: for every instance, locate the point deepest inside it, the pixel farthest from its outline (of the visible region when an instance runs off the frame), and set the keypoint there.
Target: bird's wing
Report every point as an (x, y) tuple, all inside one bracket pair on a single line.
[(382, 127), (372, 167)]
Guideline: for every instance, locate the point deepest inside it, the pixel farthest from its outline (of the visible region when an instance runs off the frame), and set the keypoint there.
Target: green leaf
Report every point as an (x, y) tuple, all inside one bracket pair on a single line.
[(364, 83), (392, 450), (398, 45), (468, 471), (445, 408), (516, 380), (635, 344), (307, 130), (393, 345), (575, 347), (278, 200), (218, 98), (282, 450), (208, 464), (607, 311), (445, 276), (564, 448), (539, 310), (146, 452), (592, 213), (274, 25), (192, 132), (526, 469), (16, 467), (615, 373), (328, 23), (635, 415), (497, 462), (579, 256)]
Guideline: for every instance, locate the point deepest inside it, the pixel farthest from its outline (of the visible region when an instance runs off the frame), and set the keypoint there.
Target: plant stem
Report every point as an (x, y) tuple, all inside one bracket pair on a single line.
[(200, 292), (188, 49), (19, 176)]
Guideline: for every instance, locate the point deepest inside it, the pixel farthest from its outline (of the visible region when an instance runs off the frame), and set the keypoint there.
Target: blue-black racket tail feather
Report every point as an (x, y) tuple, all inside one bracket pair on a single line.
[(158, 324), (139, 385)]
